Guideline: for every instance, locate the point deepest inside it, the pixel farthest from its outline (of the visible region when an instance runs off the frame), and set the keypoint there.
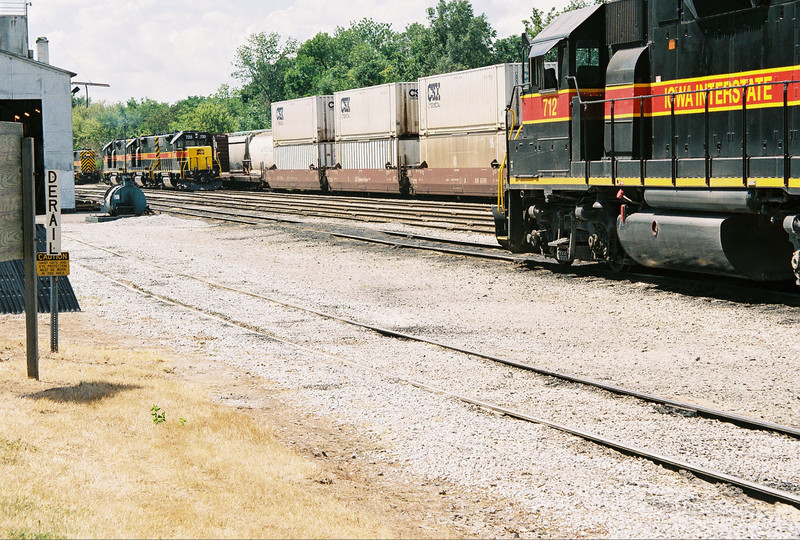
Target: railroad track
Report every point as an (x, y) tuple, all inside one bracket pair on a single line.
[(250, 209), (454, 216), (683, 411)]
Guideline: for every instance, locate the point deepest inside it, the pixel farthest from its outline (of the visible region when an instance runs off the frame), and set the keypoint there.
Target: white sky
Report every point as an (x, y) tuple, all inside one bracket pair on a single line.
[(168, 50)]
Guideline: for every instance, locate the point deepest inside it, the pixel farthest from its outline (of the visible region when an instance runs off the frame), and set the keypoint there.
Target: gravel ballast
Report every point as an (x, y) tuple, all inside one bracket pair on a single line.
[(733, 356)]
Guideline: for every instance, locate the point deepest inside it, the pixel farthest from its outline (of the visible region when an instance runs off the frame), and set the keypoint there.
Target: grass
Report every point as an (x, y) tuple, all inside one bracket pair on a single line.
[(82, 455)]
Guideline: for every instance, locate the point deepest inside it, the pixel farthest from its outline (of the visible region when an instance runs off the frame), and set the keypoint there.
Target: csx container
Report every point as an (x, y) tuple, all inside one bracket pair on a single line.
[(377, 153), (463, 150), (304, 120), (472, 100), (377, 112), (305, 156)]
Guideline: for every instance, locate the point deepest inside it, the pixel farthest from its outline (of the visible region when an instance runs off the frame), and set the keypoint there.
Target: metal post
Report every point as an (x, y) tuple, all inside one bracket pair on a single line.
[(707, 143), (613, 147), (787, 162), (641, 141), (744, 136), (29, 241), (54, 314), (673, 137)]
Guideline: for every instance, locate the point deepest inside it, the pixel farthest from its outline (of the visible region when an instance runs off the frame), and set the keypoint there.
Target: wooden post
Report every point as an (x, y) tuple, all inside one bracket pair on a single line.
[(29, 246)]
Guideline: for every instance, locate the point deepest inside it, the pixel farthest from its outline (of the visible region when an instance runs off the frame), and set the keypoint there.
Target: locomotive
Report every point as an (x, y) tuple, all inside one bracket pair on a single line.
[(182, 160), (660, 132), (85, 166)]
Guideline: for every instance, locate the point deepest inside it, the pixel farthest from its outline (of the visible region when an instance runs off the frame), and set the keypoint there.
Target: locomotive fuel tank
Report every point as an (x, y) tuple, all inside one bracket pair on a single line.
[(737, 245)]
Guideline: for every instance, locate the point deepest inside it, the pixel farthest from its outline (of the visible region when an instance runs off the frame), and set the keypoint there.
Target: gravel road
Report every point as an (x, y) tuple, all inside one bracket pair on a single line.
[(734, 356)]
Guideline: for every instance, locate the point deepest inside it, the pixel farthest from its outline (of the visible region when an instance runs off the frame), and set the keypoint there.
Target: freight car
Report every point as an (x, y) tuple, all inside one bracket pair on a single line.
[(666, 134), (245, 156), (86, 169), (183, 160)]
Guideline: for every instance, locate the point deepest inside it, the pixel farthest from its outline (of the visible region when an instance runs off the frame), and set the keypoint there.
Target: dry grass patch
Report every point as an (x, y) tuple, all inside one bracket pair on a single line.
[(84, 454)]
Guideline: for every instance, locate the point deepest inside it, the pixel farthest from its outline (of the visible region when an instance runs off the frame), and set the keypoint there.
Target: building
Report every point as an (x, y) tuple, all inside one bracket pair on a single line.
[(39, 96)]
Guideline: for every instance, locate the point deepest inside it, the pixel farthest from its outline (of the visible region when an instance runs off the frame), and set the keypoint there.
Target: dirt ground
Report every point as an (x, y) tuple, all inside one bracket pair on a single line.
[(402, 505)]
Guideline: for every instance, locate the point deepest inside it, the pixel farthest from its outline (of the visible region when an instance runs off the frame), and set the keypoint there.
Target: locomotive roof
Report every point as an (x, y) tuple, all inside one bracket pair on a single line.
[(561, 28)]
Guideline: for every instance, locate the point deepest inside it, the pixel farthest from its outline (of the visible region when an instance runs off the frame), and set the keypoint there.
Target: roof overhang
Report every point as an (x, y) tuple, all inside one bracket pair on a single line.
[(560, 29)]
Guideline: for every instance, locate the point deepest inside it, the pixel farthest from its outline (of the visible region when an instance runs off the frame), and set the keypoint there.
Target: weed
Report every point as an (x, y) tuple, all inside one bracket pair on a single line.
[(182, 421), (157, 414), (23, 535)]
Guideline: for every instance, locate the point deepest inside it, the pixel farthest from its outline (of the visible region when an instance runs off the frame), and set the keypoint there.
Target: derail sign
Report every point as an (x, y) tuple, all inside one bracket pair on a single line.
[(53, 262), (53, 215)]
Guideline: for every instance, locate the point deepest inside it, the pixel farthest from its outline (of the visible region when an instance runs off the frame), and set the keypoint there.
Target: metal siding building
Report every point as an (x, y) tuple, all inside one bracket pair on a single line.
[(26, 83)]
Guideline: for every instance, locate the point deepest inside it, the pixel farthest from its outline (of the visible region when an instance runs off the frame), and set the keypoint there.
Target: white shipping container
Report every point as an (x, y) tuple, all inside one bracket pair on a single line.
[(376, 153), (470, 100), (305, 156), (261, 151), (304, 120), (463, 150), (387, 110)]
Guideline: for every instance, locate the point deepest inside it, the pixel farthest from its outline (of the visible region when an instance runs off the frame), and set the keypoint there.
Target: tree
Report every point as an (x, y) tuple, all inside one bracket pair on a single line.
[(261, 64), (538, 21), (455, 39)]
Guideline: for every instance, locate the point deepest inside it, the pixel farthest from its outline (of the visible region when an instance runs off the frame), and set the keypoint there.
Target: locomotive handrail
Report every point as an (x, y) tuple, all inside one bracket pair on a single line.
[(584, 104), (500, 184)]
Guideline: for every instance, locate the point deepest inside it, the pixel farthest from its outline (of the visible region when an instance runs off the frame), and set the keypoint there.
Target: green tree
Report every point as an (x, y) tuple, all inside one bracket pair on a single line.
[(261, 65), (456, 38), (538, 20)]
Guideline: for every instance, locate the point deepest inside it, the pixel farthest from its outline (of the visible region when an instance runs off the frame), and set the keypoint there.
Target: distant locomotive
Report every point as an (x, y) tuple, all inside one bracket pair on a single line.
[(183, 160), (85, 165), (661, 132)]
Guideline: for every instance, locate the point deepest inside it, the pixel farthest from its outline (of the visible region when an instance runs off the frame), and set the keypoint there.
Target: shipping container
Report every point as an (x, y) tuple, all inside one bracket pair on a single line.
[(305, 156), (261, 151), (387, 110), (304, 120), (377, 153), (460, 150), (468, 100)]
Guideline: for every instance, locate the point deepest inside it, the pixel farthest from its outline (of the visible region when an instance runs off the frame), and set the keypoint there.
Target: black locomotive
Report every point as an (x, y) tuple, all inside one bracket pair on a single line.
[(182, 160), (661, 132)]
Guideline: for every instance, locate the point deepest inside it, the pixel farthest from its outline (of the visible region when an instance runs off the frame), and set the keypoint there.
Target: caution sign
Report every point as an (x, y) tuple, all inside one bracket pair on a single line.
[(52, 265)]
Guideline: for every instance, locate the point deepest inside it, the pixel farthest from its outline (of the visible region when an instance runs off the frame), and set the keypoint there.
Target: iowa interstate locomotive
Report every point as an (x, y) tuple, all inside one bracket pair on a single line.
[(660, 132), (183, 160)]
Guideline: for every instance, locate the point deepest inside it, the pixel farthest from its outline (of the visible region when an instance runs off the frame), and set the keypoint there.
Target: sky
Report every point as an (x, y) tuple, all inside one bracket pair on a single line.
[(168, 50)]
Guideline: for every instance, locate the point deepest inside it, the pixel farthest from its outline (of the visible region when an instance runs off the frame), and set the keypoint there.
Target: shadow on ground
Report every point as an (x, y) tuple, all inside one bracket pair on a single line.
[(83, 392)]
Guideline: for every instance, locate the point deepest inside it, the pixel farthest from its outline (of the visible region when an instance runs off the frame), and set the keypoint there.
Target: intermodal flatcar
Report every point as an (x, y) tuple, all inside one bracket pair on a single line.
[(667, 133), (182, 160)]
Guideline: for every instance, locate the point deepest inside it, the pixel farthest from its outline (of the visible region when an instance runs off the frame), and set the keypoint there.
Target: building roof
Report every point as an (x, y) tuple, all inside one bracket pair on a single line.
[(36, 63)]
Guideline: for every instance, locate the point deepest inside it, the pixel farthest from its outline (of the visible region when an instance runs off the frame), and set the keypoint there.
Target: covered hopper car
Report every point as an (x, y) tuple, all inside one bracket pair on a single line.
[(666, 133)]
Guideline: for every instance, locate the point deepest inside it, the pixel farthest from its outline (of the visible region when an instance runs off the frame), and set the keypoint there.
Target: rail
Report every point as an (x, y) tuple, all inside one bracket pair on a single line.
[(645, 111)]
